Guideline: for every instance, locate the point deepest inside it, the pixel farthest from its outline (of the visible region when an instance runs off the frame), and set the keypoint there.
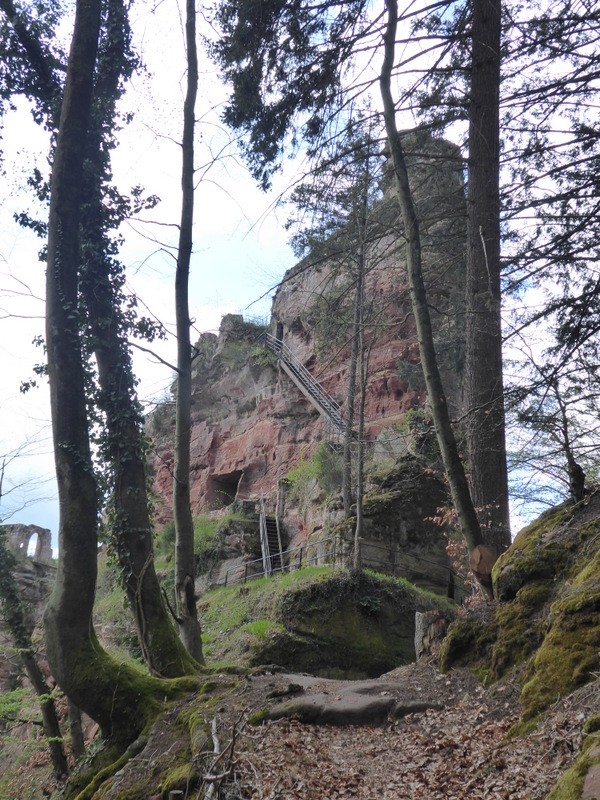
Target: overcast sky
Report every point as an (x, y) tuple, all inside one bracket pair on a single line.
[(240, 246)]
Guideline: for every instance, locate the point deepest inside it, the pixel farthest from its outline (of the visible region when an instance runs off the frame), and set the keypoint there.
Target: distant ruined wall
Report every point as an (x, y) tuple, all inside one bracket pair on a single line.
[(19, 537), (34, 577)]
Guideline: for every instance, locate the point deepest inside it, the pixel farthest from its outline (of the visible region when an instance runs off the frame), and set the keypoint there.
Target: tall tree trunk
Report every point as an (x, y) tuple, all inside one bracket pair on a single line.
[(360, 456), (187, 615), (130, 518), (130, 521), (121, 700), (357, 338), (459, 488), (349, 427), (484, 383), (68, 617)]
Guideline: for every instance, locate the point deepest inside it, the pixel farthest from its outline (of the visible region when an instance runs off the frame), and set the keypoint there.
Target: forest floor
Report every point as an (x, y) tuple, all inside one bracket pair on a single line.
[(445, 737), (457, 748)]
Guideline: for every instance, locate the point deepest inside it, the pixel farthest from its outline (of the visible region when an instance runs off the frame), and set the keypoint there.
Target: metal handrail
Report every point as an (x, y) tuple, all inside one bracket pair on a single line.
[(264, 540), (330, 406), (306, 558), (299, 563)]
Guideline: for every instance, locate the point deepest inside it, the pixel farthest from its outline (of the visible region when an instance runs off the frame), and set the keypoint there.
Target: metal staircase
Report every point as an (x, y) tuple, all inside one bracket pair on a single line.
[(272, 539), (308, 385), (269, 541)]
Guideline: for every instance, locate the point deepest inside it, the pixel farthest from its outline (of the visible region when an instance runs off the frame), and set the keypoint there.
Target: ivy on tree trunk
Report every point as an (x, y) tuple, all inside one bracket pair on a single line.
[(118, 697)]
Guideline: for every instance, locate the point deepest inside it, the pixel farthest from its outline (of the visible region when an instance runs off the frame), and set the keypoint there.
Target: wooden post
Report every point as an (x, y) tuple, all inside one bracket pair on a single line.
[(300, 564), (245, 572)]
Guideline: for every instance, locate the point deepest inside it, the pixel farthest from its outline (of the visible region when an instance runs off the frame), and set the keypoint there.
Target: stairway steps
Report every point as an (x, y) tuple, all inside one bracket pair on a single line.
[(331, 409), (273, 540)]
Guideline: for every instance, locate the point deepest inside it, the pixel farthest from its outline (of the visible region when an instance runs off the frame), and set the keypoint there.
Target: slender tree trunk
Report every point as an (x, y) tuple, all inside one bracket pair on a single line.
[(187, 615), (484, 383), (76, 730), (49, 719), (574, 470), (130, 519), (356, 352), (120, 699), (459, 488), (349, 428), (360, 455)]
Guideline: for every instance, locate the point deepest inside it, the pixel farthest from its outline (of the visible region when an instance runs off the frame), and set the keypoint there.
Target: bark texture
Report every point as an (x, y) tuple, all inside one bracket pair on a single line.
[(187, 615), (100, 284), (119, 698), (459, 488), (69, 612), (484, 383)]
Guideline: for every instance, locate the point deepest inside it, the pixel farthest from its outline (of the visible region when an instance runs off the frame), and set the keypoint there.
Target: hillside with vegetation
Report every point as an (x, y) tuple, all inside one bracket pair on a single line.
[(508, 696), (297, 578)]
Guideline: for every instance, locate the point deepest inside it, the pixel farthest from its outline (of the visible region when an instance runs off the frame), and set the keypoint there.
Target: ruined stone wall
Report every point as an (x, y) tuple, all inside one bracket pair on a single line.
[(20, 536)]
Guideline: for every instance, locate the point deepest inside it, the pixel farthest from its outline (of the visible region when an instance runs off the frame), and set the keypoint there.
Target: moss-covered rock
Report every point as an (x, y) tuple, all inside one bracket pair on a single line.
[(569, 654), (467, 642), (541, 551), (549, 585), (323, 621), (570, 786)]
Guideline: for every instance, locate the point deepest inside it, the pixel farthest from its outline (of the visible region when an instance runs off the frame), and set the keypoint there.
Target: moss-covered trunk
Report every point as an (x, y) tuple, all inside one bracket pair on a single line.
[(114, 695), (109, 323)]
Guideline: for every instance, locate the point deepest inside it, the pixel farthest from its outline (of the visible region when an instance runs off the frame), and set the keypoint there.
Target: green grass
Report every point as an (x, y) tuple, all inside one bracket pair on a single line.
[(261, 628), (111, 607), (315, 618), (229, 608), (205, 530)]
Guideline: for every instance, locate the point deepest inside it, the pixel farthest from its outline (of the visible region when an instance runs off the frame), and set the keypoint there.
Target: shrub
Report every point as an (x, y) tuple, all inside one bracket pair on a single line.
[(325, 467)]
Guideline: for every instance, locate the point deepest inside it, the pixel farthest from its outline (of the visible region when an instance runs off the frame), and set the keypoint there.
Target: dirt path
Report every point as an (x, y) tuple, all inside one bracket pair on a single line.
[(457, 749), (426, 736)]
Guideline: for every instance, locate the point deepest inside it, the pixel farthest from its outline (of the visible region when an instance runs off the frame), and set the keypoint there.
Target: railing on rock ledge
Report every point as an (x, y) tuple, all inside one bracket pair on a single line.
[(326, 553), (306, 382)]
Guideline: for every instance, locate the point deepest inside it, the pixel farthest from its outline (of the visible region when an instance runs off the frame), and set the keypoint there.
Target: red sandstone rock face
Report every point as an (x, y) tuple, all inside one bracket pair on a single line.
[(251, 424)]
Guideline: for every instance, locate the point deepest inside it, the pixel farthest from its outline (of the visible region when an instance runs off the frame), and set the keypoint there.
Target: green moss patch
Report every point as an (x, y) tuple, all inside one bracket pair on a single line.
[(319, 620), (549, 582), (569, 653), (571, 784), (466, 643), (537, 553)]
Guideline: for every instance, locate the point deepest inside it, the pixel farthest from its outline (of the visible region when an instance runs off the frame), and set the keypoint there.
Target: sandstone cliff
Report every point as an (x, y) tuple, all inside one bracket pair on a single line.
[(252, 424)]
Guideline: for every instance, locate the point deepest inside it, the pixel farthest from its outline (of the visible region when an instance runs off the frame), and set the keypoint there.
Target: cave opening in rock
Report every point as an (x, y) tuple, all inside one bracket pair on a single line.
[(222, 489)]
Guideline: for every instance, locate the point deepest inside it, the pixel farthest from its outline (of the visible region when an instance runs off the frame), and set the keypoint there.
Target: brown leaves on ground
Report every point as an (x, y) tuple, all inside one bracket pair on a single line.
[(459, 752)]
